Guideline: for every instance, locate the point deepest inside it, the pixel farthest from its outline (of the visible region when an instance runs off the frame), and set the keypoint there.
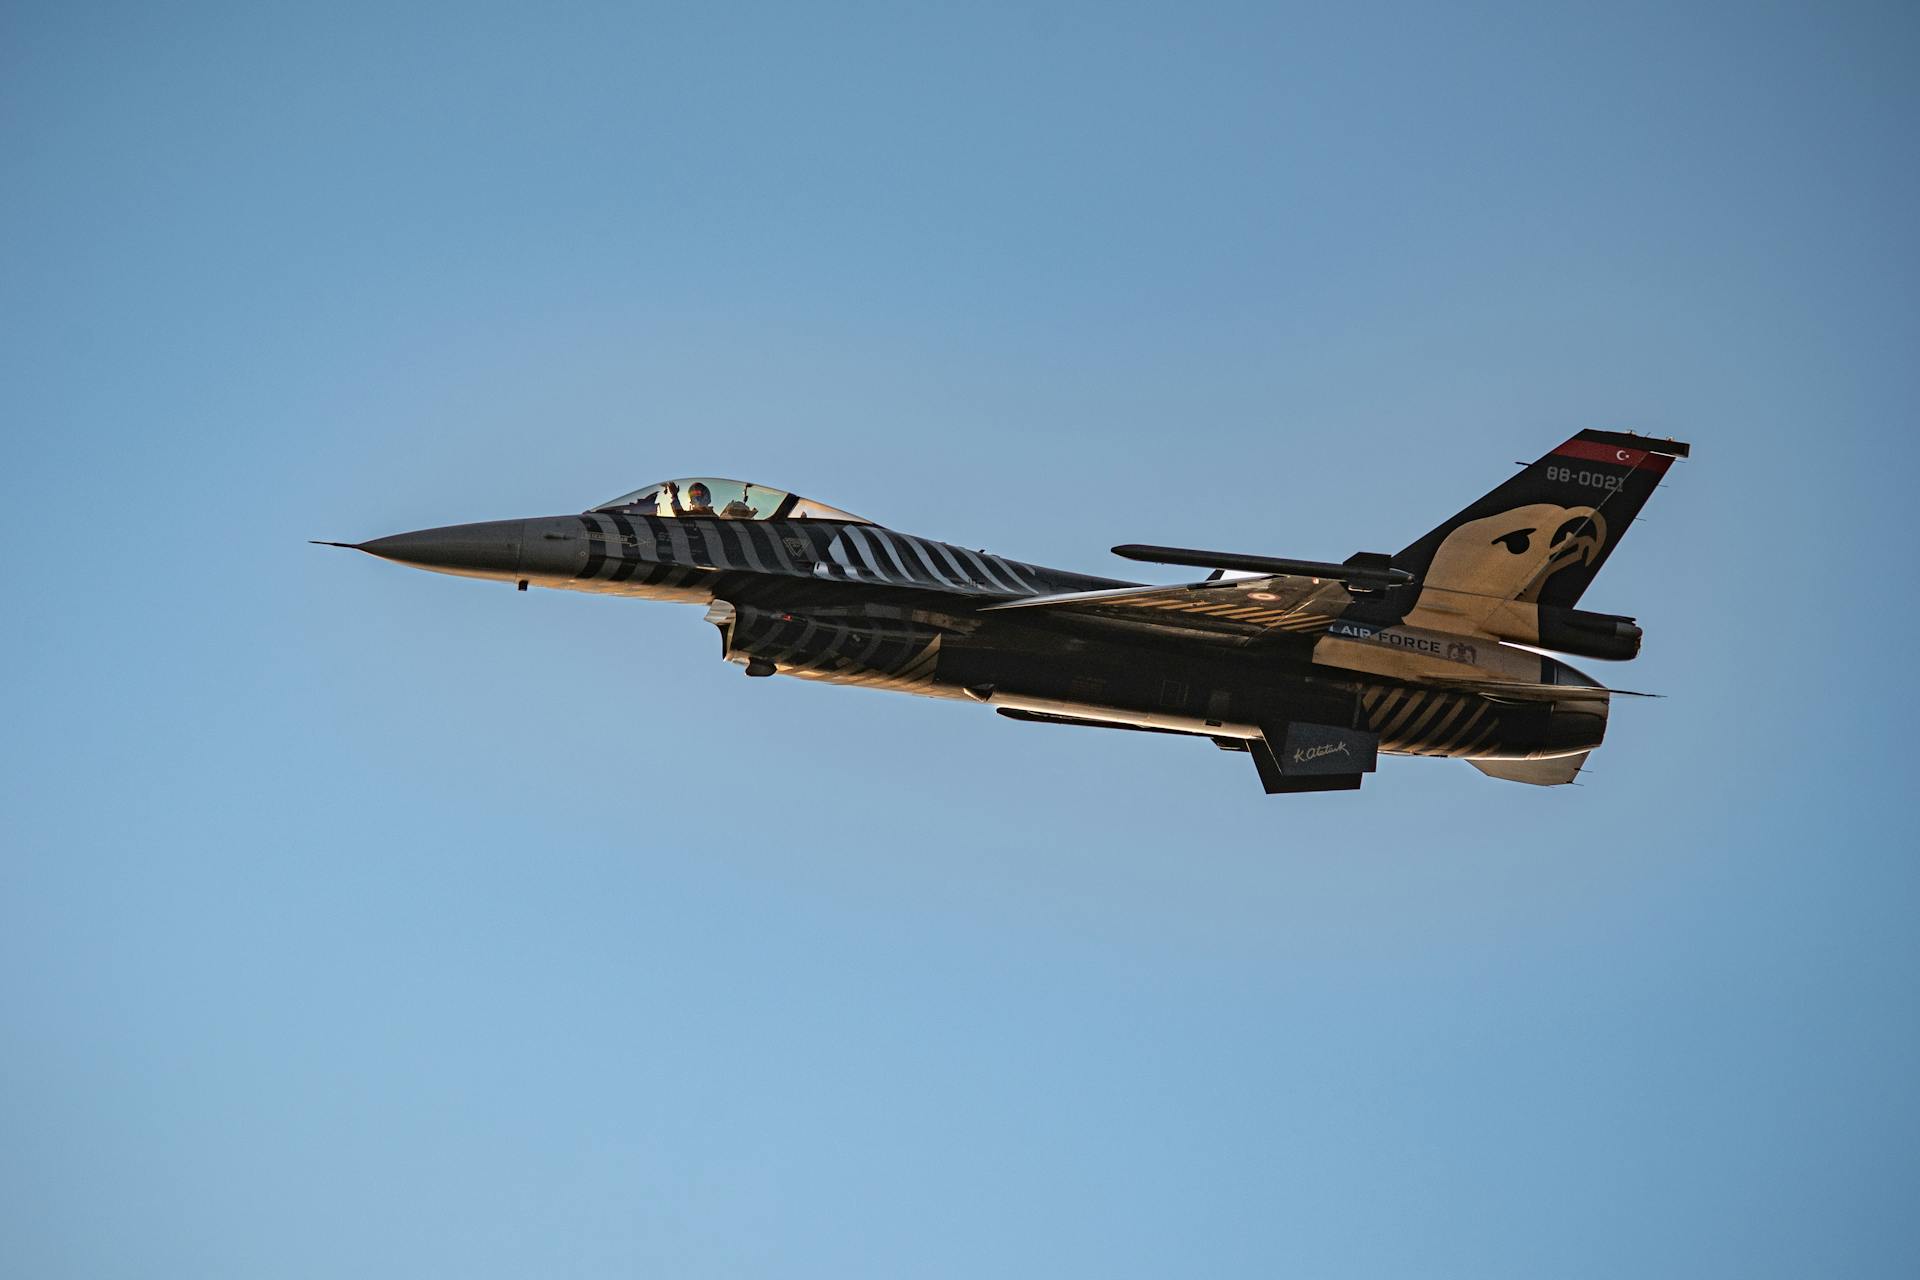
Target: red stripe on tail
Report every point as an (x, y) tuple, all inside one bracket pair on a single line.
[(1614, 455)]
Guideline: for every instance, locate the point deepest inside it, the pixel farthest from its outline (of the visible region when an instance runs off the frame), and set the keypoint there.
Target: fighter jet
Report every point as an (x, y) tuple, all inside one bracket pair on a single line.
[(1311, 669)]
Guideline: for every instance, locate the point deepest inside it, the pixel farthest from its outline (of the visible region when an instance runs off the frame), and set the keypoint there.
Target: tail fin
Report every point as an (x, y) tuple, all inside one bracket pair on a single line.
[(1543, 535)]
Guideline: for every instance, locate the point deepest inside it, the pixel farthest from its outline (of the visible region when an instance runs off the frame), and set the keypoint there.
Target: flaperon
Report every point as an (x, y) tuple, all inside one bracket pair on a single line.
[(1311, 668)]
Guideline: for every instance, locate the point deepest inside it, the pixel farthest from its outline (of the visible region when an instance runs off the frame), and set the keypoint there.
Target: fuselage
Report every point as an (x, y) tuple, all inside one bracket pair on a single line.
[(854, 603)]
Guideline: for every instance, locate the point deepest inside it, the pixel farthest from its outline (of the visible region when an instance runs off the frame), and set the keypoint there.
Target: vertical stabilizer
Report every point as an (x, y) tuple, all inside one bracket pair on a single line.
[(1542, 536)]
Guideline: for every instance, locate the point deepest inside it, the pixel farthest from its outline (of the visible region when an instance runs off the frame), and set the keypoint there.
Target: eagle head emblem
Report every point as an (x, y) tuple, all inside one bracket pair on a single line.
[(1510, 556)]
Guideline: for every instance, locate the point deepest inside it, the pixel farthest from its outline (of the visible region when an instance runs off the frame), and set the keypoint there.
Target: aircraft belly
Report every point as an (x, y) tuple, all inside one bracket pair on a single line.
[(1426, 721), (1220, 698)]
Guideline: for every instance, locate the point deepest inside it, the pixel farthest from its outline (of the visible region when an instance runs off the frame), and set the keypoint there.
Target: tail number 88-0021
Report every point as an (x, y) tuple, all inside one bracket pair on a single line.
[(1587, 479)]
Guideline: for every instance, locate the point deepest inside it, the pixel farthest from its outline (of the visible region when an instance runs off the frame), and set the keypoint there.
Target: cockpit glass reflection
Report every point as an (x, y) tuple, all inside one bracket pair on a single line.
[(725, 499)]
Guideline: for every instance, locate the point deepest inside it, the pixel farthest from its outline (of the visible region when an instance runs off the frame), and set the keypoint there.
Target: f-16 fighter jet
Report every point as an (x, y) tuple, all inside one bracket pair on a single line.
[(1311, 669)]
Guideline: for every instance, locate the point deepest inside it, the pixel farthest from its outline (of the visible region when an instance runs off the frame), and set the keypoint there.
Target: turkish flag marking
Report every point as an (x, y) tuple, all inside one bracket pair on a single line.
[(1613, 455)]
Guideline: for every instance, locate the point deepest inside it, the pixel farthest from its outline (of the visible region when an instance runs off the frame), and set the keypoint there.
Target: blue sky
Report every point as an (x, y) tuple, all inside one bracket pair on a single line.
[(356, 920)]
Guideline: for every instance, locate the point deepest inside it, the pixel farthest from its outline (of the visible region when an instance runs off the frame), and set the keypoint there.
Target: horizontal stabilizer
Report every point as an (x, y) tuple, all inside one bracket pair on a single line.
[(1556, 772), (1536, 692)]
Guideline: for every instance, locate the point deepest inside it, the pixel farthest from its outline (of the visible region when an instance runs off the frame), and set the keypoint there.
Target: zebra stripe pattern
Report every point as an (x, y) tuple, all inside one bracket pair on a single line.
[(1429, 722), (854, 651), (1252, 614), (614, 555), (868, 553), (653, 551)]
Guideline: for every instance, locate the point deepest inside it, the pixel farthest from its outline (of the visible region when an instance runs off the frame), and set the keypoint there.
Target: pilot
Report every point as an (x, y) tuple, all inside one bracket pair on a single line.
[(699, 500)]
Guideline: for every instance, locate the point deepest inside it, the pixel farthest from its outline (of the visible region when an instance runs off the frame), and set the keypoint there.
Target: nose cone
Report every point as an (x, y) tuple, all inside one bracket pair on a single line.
[(491, 549)]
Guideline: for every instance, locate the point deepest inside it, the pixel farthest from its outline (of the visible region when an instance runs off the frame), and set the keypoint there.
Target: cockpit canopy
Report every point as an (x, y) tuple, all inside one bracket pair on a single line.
[(728, 499)]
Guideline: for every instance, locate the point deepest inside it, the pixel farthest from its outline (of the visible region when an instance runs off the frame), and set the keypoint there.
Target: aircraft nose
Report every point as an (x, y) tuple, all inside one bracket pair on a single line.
[(491, 548)]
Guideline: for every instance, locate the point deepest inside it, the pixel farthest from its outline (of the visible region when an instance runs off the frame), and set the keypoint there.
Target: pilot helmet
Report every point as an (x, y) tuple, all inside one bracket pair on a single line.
[(700, 494)]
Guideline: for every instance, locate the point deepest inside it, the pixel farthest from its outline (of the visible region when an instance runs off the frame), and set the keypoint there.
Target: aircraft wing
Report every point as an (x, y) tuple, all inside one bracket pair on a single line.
[(1244, 607)]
